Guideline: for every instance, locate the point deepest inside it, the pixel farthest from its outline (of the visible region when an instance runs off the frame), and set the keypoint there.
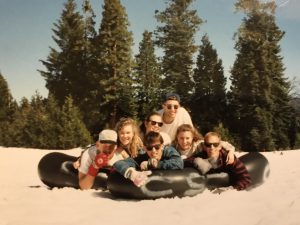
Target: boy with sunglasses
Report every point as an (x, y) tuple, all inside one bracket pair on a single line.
[(173, 115), (156, 156), (213, 160)]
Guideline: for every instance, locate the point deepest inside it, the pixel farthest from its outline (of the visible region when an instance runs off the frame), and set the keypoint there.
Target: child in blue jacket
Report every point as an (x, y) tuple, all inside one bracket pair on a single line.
[(156, 156)]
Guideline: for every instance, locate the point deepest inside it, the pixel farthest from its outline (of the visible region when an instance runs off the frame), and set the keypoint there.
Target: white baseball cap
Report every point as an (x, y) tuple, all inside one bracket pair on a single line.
[(108, 136)]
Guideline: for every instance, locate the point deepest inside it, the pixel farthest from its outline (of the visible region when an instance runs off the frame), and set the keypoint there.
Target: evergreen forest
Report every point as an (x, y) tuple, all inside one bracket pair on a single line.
[(94, 79)]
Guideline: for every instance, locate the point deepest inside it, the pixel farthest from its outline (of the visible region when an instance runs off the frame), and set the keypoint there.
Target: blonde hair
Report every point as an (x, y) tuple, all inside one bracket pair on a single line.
[(212, 134), (184, 128), (136, 142)]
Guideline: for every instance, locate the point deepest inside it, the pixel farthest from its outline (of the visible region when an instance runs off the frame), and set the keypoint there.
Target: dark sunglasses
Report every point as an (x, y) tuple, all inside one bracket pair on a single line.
[(150, 147), (209, 145), (153, 123), (170, 106)]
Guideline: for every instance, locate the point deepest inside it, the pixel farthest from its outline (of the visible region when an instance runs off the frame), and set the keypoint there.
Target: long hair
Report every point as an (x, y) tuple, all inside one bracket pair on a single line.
[(187, 127), (136, 142)]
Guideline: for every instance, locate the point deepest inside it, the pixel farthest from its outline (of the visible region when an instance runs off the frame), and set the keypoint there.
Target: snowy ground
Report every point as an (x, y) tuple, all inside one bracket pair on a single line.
[(25, 200)]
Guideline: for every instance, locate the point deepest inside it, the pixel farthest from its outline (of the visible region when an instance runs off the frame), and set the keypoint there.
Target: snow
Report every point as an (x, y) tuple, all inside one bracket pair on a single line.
[(25, 200)]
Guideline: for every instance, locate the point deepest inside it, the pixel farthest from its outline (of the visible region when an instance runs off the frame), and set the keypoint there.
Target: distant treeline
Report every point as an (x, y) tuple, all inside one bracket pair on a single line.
[(93, 79)]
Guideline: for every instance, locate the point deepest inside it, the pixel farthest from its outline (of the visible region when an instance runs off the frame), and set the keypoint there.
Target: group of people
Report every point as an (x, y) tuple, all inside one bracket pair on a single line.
[(166, 140)]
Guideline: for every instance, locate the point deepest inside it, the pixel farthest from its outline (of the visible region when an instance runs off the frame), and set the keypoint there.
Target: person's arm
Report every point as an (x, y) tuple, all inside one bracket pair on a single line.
[(239, 175), (86, 180), (189, 162), (121, 166), (230, 149), (122, 152), (127, 168), (170, 159), (225, 145), (199, 159)]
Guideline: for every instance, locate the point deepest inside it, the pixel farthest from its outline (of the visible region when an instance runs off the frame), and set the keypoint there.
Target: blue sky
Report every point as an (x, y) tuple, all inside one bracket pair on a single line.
[(26, 35)]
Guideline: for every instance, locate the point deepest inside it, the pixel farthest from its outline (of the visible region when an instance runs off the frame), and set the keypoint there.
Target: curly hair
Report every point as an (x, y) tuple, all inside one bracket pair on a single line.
[(187, 127), (136, 142)]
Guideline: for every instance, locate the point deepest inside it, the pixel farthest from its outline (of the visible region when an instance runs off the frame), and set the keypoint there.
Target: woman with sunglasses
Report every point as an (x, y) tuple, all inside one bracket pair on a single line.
[(213, 160), (189, 142), (153, 122), (173, 115), (156, 156)]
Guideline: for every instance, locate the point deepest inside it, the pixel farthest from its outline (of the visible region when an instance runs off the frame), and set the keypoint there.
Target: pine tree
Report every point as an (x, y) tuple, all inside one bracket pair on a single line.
[(16, 128), (176, 37), (89, 26), (148, 77), (66, 67), (35, 128), (295, 127), (259, 100), (73, 131), (87, 104), (42, 123), (53, 127), (8, 108), (209, 99), (113, 75)]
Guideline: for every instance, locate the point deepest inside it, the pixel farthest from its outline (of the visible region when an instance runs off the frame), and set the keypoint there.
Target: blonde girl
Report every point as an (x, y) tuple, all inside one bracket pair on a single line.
[(129, 142), (188, 142)]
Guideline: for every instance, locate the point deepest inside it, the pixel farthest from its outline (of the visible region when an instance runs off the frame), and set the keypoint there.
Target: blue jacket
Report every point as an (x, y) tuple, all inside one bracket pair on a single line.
[(170, 160)]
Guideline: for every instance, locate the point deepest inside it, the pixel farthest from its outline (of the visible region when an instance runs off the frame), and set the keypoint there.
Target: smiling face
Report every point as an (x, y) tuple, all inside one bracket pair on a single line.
[(185, 140), (126, 134), (155, 150), (154, 123), (212, 145), (170, 109), (153, 145), (106, 148)]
